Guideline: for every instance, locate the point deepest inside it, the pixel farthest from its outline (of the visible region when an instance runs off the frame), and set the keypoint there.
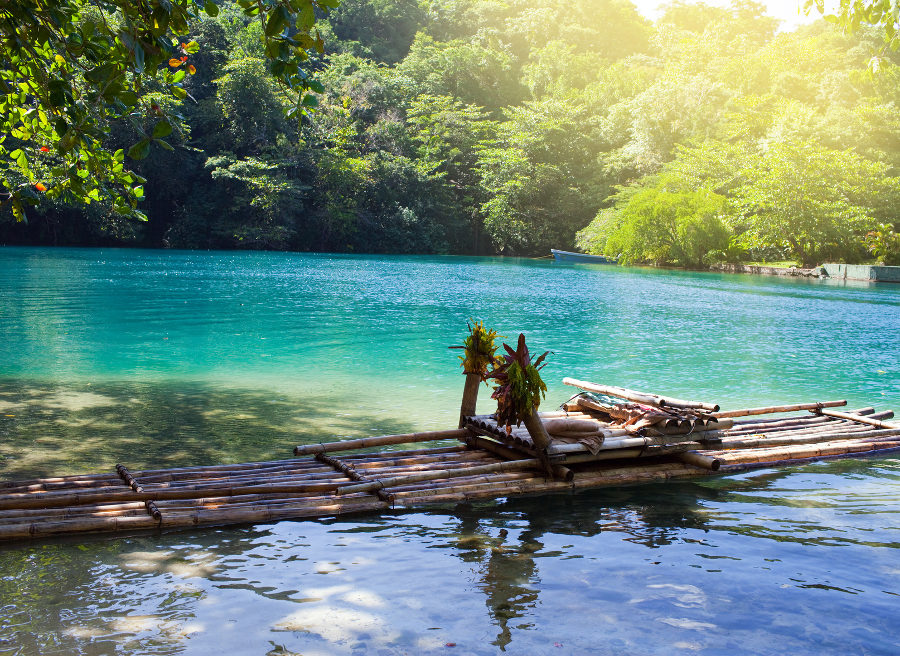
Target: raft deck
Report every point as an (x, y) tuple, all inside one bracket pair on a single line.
[(589, 449)]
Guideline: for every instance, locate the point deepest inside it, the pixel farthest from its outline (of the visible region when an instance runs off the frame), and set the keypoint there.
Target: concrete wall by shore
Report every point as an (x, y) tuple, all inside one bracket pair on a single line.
[(768, 270), (870, 272), (862, 272)]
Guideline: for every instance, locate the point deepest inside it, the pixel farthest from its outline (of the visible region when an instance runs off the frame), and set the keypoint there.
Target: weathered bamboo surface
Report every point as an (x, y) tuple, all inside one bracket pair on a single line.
[(640, 397), (584, 451)]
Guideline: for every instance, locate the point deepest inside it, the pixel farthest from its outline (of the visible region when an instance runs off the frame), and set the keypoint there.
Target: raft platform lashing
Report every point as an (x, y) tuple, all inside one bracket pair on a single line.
[(602, 437)]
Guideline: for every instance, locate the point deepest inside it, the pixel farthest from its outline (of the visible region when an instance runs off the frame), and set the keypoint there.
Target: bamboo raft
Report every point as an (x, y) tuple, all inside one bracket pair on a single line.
[(604, 436)]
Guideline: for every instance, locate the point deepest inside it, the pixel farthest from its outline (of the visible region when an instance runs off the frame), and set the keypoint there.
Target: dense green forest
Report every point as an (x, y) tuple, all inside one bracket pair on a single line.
[(511, 126)]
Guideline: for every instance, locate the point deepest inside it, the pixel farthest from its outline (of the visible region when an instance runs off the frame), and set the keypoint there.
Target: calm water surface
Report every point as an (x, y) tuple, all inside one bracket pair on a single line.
[(164, 358)]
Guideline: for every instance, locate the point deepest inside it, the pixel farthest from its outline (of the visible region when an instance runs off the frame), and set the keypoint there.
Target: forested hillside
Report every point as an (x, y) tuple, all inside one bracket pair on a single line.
[(489, 126)]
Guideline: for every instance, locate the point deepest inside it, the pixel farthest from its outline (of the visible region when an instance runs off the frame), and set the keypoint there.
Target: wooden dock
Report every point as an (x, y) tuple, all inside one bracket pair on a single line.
[(594, 443)]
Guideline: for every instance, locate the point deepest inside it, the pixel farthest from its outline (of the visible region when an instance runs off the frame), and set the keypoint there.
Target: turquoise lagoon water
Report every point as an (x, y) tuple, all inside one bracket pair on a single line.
[(160, 357)]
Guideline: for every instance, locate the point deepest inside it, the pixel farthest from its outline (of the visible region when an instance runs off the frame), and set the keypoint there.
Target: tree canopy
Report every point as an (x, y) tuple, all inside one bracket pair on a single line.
[(852, 14), (70, 68), (447, 126)]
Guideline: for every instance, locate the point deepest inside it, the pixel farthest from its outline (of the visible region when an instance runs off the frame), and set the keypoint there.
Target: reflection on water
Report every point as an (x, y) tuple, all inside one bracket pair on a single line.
[(794, 561)]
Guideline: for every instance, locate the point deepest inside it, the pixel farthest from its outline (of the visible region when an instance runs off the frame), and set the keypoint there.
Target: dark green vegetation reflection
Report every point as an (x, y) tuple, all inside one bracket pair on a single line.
[(449, 126), (800, 561)]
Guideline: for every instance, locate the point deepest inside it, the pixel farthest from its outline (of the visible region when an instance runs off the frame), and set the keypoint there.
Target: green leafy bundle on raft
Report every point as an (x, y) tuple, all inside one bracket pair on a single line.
[(480, 350), (519, 388)]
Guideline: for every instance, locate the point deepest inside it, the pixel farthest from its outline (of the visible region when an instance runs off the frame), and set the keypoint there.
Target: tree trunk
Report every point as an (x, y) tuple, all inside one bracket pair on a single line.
[(469, 398), (541, 439)]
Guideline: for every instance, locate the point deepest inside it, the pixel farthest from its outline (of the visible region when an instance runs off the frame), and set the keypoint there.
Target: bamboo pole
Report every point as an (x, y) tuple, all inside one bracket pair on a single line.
[(806, 451), (183, 520), (749, 466), (557, 425), (628, 454), (407, 453), (72, 510), (384, 440), (565, 414), (86, 480), (248, 478), (857, 418), (261, 466), (469, 398), (750, 443), (112, 508), (493, 484), (489, 425), (477, 442), (515, 488), (496, 479), (391, 472), (378, 484), (641, 397), (635, 442), (56, 500), (776, 422), (699, 460), (745, 412), (298, 467), (173, 509), (256, 479), (559, 471), (540, 438), (387, 460), (822, 424), (17, 486), (624, 476)]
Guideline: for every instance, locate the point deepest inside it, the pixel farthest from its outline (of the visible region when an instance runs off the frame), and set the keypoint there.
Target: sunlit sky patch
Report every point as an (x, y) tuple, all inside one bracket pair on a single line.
[(789, 12)]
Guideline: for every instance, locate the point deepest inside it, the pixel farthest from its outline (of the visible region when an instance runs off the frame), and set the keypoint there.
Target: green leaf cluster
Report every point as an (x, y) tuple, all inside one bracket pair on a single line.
[(70, 69), (884, 243), (852, 14), (519, 387), (480, 348)]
